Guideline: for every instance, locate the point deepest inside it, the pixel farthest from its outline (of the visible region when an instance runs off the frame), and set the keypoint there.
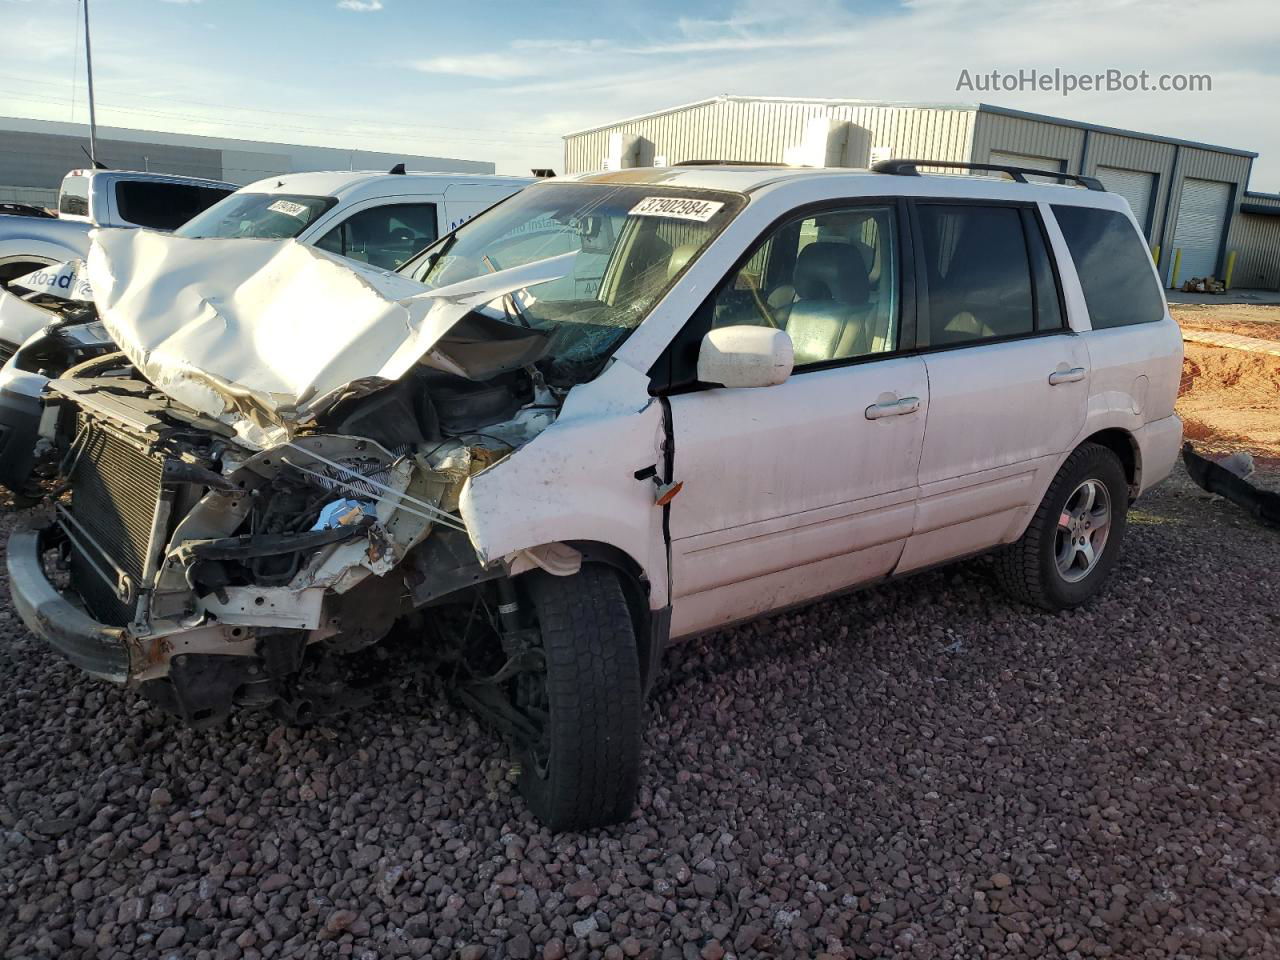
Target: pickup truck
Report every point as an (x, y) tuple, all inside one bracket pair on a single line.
[(100, 198), (380, 219)]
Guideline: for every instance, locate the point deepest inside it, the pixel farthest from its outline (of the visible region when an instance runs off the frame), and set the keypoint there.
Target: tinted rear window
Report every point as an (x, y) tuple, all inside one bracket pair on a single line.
[(1114, 266), (163, 206), (74, 197), (979, 274)]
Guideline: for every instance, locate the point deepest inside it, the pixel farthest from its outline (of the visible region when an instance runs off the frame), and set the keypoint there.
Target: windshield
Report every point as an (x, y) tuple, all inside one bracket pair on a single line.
[(628, 243), (272, 216)]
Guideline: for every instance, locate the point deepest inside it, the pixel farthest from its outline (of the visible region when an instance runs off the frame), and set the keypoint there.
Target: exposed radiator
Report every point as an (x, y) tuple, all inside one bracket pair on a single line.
[(115, 487)]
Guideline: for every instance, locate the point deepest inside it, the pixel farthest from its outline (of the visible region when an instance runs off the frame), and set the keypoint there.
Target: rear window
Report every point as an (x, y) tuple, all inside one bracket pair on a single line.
[(74, 197), (1114, 266), (163, 206)]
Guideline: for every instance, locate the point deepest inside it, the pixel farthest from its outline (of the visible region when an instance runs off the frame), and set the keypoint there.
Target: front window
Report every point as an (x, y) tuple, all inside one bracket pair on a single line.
[(383, 236), (270, 216), (830, 280), (629, 243)]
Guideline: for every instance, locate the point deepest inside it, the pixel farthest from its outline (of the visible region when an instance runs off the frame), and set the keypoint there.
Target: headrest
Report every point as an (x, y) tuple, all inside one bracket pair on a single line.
[(831, 271)]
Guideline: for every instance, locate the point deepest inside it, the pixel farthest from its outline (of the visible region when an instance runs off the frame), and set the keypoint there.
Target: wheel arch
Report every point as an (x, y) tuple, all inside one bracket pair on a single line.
[(1125, 446), (652, 627)]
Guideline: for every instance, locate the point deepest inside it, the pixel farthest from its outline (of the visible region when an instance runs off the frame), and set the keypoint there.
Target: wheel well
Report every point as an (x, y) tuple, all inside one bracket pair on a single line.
[(649, 628), (1121, 443)]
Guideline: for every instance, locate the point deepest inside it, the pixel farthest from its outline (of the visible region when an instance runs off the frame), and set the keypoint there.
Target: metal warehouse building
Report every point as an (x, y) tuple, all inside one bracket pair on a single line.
[(1191, 198), (36, 154)]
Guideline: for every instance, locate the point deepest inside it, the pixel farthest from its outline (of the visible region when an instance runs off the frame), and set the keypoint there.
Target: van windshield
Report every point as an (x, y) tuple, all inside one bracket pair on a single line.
[(271, 216), (629, 243)]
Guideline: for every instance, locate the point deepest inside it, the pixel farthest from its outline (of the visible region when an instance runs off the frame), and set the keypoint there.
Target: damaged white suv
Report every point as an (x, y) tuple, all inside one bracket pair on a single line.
[(613, 411)]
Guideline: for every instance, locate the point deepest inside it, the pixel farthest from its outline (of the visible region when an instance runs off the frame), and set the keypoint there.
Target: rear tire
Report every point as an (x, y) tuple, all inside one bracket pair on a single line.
[(1068, 550), (589, 772)]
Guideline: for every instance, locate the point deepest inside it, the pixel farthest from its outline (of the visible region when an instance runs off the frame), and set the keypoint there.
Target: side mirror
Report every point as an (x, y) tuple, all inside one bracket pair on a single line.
[(745, 356)]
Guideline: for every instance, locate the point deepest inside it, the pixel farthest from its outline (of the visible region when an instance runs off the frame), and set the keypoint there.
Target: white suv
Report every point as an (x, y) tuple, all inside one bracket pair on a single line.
[(612, 412)]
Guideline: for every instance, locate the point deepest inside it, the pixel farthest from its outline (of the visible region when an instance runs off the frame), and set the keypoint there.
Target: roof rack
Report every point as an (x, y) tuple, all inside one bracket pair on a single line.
[(727, 163), (907, 168)]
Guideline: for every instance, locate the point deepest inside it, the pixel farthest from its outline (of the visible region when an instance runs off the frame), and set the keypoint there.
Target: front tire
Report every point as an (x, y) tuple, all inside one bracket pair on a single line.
[(586, 771), (1068, 550)]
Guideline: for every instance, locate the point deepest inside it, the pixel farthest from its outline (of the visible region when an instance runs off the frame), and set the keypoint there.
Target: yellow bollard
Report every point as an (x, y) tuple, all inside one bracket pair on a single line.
[(1155, 254), (1231, 268), (1177, 268)]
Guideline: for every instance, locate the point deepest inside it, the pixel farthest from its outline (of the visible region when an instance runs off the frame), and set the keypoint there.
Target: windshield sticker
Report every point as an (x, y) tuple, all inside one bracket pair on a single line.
[(289, 208), (677, 208)]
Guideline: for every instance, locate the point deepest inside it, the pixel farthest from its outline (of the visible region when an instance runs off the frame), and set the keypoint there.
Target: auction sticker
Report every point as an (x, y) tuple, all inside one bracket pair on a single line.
[(677, 208), (289, 208)]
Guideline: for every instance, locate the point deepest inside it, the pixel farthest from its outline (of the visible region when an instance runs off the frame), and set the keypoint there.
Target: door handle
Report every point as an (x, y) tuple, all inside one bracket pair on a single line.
[(1066, 376), (894, 408)]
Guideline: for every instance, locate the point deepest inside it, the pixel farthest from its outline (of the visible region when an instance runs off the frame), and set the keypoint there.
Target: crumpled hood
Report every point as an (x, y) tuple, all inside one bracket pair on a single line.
[(265, 335)]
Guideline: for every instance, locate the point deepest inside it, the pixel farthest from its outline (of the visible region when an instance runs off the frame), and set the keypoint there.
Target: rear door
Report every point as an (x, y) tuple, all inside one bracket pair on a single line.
[(1008, 380)]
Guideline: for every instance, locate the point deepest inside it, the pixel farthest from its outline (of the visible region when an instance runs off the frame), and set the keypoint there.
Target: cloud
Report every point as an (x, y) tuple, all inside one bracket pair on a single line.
[(360, 6), (483, 66)]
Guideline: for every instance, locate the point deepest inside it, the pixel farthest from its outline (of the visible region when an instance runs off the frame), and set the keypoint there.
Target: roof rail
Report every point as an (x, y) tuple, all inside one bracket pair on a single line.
[(727, 163), (907, 168)]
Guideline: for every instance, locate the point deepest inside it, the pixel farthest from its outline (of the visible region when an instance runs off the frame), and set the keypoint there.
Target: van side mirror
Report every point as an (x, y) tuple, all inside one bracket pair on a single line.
[(745, 356)]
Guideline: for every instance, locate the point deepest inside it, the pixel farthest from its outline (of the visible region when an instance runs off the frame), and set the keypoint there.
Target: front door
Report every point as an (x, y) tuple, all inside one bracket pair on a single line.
[(801, 489)]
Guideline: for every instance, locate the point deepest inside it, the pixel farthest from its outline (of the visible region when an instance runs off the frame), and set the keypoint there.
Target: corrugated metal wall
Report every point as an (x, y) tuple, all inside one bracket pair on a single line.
[(41, 159), (32, 160), (1256, 238), (919, 132), (1140, 155), (992, 132), (40, 196), (730, 128), (743, 128), (1169, 162)]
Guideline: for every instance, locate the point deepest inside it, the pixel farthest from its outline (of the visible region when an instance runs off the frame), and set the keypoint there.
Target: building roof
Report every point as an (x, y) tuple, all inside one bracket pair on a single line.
[(987, 108)]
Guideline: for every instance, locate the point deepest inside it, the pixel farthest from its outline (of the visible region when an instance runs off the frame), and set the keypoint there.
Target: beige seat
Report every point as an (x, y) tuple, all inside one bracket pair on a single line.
[(827, 319)]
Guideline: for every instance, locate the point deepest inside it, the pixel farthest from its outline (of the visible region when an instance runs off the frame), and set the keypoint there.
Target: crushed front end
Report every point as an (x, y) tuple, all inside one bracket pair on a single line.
[(175, 558)]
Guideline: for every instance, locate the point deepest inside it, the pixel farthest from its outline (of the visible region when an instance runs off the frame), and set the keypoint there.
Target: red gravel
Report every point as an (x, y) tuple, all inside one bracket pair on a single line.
[(920, 770)]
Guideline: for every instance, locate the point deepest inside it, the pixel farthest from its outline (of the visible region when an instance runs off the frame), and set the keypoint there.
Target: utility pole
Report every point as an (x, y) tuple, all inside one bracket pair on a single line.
[(88, 66)]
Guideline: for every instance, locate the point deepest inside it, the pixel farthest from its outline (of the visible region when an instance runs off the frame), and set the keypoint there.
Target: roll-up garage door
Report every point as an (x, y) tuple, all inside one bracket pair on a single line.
[(1135, 186), (1202, 216), (1026, 160)]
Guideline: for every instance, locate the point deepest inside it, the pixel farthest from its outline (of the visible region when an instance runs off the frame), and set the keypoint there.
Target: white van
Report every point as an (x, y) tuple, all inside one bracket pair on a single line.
[(375, 218)]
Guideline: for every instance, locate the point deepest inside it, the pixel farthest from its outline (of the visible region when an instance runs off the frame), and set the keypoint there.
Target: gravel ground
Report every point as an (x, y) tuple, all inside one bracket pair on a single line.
[(919, 770)]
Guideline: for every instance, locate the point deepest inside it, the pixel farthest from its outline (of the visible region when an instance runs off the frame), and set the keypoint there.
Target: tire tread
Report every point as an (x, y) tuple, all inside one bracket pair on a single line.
[(593, 687)]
